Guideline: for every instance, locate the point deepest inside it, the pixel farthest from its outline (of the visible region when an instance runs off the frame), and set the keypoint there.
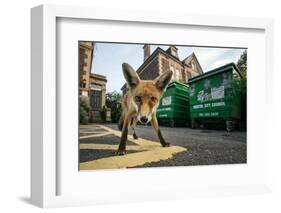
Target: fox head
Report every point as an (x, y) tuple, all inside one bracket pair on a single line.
[(145, 94)]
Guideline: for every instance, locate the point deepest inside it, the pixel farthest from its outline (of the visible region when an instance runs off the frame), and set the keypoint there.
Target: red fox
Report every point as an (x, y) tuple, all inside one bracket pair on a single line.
[(140, 104)]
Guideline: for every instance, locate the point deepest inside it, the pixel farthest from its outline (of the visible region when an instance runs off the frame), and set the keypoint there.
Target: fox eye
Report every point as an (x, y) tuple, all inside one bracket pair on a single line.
[(153, 99), (137, 98)]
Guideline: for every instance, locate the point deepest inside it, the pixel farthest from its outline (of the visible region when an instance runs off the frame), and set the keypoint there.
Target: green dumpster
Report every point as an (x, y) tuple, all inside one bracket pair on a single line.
[(174, 105), (216, 96)]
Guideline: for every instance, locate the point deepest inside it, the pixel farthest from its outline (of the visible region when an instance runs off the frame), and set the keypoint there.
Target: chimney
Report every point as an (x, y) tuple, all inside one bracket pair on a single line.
[(173, 50), (146, 51)]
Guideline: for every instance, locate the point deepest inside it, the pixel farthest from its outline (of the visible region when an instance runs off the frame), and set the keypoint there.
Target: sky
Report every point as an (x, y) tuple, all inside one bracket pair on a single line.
[(108, 59)]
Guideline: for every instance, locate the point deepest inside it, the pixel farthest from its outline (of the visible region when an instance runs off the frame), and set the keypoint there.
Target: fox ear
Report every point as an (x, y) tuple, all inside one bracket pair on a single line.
[(162, 81), (130, 75)]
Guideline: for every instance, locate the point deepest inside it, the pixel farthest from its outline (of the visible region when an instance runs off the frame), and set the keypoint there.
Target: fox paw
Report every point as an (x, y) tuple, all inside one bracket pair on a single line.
[(135, 136), (121, 152), (166, 144)]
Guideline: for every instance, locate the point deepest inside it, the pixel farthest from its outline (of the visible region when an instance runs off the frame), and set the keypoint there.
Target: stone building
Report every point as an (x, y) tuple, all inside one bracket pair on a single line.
[(92, 85), (86, 50), (160, 61), (97, 90), (97, 96)]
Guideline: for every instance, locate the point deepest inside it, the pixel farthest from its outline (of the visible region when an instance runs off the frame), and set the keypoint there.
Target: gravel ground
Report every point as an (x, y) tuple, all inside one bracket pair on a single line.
[(205, 154), (204, 146)]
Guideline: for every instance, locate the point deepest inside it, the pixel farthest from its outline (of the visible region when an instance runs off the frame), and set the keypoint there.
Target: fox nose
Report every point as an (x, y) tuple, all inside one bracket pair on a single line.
[(144, 119)]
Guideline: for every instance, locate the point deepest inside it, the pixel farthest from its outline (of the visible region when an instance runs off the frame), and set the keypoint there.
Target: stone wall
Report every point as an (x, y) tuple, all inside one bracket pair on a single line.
[(168, 63), (85, 61), (151, 71)]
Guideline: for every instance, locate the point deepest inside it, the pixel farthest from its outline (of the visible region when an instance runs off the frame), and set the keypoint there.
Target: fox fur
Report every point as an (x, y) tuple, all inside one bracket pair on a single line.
[(140, 104)]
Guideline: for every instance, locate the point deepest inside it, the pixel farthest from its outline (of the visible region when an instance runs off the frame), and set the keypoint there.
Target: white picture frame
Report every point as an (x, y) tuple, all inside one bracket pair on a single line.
[(44, 154)]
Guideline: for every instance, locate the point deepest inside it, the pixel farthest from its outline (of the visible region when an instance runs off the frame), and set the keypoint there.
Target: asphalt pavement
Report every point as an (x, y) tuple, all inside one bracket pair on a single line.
[(98, 144)]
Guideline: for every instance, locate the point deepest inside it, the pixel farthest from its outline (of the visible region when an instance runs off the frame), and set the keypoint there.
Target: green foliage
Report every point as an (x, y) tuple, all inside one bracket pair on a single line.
[(113, 97), (113, 101), (116, 111), (84, 109), (242, 64), (103, 113)]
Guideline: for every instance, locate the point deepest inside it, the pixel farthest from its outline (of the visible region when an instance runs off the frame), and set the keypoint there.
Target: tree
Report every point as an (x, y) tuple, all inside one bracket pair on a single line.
[(113, 97), (84, 110), (113, 101), (242, 64)]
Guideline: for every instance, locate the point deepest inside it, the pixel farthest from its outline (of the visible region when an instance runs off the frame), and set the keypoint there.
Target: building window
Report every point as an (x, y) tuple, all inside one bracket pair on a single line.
[(177, 77), (193, 65), (96, 96), (183, 75), (188, 76), (95, 99), (83, 83), (173, 70)]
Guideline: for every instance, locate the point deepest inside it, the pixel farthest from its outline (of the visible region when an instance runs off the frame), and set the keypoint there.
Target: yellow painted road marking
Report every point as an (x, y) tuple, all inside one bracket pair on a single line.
[(150, 152), (139, 141), (96, 135), (132, 160), (111, 147), (91, 132)]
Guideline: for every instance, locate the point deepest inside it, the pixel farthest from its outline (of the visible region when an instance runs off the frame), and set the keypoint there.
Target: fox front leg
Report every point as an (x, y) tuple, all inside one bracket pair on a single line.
[(155, 125), (133, 125), (122, 145)]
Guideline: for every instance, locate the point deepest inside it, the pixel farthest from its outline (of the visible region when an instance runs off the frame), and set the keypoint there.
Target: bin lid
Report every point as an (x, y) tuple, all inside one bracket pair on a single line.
[(215, 71), (176, 83)]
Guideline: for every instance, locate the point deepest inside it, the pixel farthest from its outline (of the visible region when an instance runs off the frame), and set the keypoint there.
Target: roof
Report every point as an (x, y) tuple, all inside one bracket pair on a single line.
[(188, 57), (215, 71), (102, 77), (86, 44), (151, 57), (155, 52), (192, 55), (169, 51)]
